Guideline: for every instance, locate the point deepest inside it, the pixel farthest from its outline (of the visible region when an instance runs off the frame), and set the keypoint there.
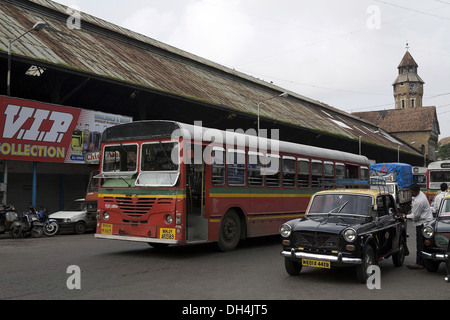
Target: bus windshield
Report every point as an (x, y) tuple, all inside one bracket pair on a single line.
[(119, 165), (159, 165), (439, 176)]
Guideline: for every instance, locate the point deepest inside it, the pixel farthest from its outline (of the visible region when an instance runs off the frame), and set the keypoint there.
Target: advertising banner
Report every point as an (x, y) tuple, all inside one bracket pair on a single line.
[(36, 131)]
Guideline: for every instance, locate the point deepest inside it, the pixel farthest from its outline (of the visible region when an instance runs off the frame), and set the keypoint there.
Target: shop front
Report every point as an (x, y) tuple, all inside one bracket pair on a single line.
[(43, 149)]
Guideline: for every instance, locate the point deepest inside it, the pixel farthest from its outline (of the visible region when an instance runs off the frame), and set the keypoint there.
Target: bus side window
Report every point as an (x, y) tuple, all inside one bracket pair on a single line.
[(364, 173), (255, 176), (317, 174), (340, 171), (236, 167), (303, 166), (289, 173), (218, 167), (273, 169), (328, 175)]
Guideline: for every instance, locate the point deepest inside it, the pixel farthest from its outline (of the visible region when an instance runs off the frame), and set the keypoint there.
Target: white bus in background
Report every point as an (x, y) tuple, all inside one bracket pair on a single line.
[(438, 172)]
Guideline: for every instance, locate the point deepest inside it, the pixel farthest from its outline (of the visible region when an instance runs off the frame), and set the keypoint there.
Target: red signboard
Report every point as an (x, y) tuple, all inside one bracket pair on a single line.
[(35, 131)]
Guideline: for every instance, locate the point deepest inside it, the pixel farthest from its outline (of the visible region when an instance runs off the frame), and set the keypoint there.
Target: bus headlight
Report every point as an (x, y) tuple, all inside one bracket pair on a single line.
[(428, 232), (169, 219), (350, 235), (285, 230), (106, 215)]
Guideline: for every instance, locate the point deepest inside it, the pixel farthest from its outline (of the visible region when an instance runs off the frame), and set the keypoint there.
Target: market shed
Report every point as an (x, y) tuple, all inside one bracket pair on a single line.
[(107, 68)]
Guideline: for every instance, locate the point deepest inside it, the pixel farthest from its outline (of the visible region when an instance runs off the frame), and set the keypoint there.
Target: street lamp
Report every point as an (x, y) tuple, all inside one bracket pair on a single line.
[(283, 95), (37, 27), (360, 145)]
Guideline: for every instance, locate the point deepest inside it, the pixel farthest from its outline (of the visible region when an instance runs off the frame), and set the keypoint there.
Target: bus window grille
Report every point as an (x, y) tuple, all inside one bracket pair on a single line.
[(165, 201), (135, 207)]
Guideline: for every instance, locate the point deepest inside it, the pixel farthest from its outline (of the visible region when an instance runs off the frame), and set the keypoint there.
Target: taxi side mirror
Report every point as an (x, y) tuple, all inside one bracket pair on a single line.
[(373, 212)]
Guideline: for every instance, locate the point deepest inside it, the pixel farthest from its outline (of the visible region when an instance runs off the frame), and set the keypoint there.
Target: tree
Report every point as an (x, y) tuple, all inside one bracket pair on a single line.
[(444, 151)]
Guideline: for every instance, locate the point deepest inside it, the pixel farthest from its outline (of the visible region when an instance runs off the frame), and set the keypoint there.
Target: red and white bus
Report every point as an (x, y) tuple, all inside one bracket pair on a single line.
[(438, 172), (169, 183)]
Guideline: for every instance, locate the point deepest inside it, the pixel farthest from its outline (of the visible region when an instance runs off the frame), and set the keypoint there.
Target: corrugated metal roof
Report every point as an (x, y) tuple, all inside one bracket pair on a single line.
[(110, 51)]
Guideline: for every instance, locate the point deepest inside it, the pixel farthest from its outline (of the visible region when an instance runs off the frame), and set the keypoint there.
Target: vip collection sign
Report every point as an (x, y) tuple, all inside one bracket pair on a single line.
[(35, 131)]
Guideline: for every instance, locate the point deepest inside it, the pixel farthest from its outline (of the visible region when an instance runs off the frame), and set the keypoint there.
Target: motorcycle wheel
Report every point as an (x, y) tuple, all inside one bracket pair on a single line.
[(51, 228), (37, 232), (16, 232)]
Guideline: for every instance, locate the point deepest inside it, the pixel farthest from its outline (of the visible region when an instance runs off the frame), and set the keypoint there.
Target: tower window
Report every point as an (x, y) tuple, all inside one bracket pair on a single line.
[(403, 103), (413, 103)]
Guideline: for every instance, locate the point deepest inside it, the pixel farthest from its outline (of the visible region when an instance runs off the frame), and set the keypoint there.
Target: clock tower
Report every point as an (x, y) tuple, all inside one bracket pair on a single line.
[(408, 87)]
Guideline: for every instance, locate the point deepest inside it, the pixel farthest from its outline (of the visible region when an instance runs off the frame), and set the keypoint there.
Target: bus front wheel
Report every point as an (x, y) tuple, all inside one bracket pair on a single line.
[(230, 231)]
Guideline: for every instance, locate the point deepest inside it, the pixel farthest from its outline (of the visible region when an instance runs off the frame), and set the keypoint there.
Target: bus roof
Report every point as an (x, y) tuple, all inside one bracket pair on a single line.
[(444, 164), (162, 129)]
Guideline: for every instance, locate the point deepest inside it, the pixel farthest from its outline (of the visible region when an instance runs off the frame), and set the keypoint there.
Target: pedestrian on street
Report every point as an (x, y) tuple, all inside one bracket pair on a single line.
[(420, 214)]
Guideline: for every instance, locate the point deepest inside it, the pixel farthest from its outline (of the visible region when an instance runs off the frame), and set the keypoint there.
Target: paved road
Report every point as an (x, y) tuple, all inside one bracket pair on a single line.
[(37, 269)]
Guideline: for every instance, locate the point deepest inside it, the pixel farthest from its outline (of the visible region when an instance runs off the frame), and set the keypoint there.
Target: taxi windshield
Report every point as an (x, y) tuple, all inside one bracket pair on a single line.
[(340, 204), (445, 208)]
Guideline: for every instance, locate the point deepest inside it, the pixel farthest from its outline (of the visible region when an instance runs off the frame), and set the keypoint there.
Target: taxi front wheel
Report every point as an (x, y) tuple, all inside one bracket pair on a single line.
[(293, 268), (368, 259)]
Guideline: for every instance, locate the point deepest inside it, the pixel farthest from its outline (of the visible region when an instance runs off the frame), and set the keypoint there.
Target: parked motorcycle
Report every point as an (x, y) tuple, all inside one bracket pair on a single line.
[(27, 224), (51, 226), (8, 216)]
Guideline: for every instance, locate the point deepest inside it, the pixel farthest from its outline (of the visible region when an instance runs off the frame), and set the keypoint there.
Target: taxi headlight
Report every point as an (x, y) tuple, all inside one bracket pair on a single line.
[(350, 235), (428, 232), (285, 230)]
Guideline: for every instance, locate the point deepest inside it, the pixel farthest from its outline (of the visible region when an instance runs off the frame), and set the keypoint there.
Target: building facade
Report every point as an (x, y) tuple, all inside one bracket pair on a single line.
[(410, 121), (408, 87)]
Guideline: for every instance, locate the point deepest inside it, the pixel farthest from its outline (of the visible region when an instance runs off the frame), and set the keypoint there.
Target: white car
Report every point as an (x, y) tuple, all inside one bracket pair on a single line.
[(75, 218)]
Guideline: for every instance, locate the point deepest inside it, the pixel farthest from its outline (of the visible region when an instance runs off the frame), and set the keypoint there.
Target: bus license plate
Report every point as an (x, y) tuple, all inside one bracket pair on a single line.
[(167, 234), (316, 263), (107, 228)]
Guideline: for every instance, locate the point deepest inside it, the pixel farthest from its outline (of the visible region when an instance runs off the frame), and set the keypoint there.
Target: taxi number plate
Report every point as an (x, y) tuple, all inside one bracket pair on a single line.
[(167, 234), (107, 228), (316, 263)]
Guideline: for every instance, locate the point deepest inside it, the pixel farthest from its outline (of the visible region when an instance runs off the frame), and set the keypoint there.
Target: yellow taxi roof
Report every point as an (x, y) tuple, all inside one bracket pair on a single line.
[(368, 192)]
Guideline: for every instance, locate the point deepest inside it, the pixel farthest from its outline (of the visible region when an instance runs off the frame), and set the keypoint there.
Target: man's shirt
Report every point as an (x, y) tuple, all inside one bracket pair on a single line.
[(421, 210)]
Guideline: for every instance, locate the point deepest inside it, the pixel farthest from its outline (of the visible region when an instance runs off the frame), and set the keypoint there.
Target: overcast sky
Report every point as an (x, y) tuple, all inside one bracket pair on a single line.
[(344, 53)]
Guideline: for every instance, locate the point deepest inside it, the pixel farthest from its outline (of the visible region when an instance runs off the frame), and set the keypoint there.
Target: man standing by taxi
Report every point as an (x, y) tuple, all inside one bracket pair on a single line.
[(420, 214)]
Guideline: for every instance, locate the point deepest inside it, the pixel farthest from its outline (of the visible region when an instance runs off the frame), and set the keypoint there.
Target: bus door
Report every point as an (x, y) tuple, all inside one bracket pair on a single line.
[(197, 224)]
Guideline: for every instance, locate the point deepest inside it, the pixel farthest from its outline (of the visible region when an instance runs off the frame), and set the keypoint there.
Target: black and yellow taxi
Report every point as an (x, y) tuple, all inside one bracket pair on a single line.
[(357, 227), (436, 235)]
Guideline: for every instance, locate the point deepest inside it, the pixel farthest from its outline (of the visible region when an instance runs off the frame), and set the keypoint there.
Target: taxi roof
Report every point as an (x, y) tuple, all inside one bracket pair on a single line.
[(368, 192)]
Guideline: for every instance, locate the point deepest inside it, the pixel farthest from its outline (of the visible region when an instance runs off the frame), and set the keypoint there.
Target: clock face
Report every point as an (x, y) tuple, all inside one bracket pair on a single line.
[(413, 87)]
